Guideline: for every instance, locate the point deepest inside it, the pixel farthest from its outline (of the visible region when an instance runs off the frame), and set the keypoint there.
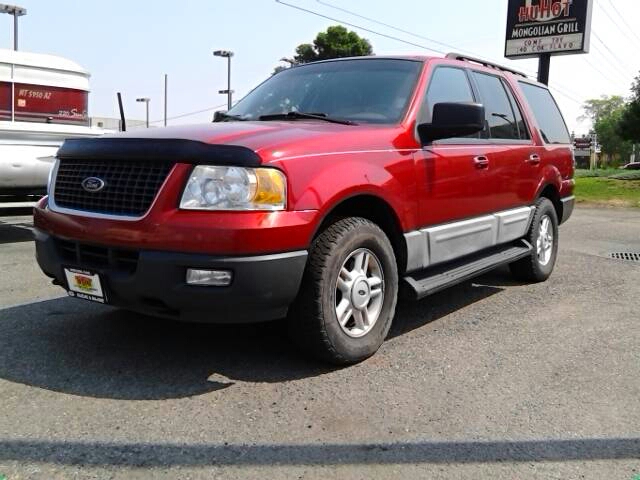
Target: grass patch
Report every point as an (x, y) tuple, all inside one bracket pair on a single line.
[(608, 191), (598, 172), (630, 175)]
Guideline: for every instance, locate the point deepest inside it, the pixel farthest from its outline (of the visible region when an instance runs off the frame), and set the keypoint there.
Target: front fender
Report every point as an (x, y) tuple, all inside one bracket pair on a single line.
[(323, 183)]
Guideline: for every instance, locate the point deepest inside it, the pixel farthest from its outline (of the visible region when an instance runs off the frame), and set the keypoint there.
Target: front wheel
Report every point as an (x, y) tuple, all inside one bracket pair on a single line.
[(348, 295), (543, 235)]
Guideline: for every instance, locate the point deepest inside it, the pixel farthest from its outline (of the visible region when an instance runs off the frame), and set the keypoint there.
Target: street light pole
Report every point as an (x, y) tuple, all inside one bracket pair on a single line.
[(230, 93), (146, 100), (16, 12), (165, 99), (226, 54)]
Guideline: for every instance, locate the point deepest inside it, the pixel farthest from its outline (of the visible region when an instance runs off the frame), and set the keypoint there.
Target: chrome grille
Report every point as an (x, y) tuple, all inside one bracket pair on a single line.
[(129, 186)]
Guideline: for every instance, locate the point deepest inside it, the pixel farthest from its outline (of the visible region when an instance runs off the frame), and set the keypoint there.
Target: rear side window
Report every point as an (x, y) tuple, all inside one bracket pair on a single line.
[(552, 126), (499, 110), (447, 85), (522, 126)]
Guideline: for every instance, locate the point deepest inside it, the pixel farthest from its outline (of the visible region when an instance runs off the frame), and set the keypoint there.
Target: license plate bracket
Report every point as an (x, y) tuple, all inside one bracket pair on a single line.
[(85, 284)]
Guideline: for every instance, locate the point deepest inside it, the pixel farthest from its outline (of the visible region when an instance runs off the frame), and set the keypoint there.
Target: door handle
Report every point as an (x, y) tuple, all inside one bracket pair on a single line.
[(533, 159), (481, 162)]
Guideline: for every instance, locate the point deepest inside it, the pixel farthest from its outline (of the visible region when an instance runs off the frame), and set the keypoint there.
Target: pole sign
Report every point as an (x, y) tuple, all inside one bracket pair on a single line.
[(583, 143), (557, 27)]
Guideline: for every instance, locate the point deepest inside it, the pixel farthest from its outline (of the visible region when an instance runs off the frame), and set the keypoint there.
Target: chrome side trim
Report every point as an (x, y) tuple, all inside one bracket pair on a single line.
[(441, 243), (513, 224), (417, 250), (454, 240), (82, 213)]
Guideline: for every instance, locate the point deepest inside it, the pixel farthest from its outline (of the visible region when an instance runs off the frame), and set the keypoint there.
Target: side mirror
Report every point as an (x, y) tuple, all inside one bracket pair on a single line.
[(219, 115), (452, 120)]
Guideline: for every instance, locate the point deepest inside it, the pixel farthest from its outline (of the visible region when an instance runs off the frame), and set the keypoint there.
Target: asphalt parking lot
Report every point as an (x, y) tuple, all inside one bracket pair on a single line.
[(490, 379)]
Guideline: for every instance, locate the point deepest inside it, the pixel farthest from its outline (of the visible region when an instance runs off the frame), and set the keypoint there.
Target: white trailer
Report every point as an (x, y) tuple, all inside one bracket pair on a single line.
[(43, 100)]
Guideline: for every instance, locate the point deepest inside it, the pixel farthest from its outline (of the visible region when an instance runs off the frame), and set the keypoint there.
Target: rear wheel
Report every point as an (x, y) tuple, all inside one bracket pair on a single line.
[(543, 235), (348, 295)]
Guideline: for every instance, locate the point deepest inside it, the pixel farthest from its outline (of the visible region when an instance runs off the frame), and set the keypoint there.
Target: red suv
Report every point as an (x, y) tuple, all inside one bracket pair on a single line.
[(315, 198)]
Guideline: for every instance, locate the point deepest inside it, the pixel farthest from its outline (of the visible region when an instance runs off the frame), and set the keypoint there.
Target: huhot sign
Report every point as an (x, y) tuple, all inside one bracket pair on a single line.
[(555, 27)]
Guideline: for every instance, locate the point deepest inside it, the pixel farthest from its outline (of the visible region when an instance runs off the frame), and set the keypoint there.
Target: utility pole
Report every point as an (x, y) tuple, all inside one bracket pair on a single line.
[(226, 54), (544, 64), (16, 12), (165, 99), (594, 151), (146, 100)]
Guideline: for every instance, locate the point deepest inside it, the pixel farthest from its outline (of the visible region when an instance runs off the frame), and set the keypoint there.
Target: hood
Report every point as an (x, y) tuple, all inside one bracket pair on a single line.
[(280, 139)]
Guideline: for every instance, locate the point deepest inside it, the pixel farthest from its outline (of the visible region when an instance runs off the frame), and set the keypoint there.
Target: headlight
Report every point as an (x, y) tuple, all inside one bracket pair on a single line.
[(234, 188)]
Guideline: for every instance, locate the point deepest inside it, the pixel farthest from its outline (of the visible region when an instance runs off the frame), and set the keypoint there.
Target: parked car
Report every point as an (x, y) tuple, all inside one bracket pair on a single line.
[(631, 166), (315, 198)]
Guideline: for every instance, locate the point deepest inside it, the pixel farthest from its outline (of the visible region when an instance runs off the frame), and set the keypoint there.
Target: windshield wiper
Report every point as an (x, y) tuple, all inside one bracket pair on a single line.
[(295, 115)]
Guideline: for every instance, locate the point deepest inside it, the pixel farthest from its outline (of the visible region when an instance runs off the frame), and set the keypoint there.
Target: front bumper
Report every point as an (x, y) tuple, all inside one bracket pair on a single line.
[(262, 288)]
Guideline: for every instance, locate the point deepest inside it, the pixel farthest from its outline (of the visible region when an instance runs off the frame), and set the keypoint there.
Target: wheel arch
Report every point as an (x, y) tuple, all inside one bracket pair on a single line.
[(373, 208), (552, 192)]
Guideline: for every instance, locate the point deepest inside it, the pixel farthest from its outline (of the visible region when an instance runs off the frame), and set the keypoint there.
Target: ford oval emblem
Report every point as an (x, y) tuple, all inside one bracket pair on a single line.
[(93, 184)]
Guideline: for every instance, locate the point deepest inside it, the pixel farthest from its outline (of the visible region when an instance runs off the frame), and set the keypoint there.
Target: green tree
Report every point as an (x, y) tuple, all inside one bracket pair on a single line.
[(630, 121), (606, 115), (609, 136), (602, 107), (336, 42)]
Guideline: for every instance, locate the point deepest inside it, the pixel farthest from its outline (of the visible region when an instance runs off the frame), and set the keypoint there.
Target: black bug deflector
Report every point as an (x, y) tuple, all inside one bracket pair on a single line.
[(159, 149)]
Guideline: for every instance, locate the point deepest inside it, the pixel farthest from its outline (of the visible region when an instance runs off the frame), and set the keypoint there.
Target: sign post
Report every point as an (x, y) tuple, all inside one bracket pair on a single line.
[(546, 28)]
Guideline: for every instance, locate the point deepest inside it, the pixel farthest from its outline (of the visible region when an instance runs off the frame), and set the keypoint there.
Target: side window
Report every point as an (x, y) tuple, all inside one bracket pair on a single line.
[(498, 109), (552, 126), (447, 85), (522, 127)]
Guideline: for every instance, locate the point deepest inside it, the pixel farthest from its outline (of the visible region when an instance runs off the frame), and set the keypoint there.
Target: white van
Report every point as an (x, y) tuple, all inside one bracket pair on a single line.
[(43, 100)]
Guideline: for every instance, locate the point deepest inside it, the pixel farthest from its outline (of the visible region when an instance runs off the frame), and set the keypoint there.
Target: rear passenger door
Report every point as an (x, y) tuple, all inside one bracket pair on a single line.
[(513, 154)]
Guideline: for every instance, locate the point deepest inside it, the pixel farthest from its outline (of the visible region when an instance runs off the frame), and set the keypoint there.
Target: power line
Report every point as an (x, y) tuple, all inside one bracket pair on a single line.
[(613, 54), (609, 62), (621, 18), (397, 29), (391, 37), (355, 14), (188, 114), (566, 95), (602, 74), (605, 76), (413, 34), (333, 19)]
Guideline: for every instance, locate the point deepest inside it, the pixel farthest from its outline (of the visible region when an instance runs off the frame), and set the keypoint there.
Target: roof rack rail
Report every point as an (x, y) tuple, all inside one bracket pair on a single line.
[(458, 56)]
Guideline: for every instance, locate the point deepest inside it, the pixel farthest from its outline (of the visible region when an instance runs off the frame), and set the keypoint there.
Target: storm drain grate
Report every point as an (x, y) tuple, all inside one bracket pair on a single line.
[(629, 257)]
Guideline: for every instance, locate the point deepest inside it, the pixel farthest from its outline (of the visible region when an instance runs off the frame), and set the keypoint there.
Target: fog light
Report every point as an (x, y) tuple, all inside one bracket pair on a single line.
[(208, 278)]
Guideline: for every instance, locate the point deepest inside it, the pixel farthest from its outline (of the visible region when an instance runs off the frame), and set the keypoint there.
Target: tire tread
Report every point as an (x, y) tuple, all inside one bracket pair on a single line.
[(306, 323)]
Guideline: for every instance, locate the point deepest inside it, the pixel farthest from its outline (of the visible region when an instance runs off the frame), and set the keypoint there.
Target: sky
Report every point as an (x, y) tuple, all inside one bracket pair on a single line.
[(128, 46)]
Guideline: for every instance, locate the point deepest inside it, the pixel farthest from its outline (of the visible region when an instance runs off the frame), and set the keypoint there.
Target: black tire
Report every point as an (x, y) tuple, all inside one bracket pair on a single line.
[(313, 322), (533, 268)]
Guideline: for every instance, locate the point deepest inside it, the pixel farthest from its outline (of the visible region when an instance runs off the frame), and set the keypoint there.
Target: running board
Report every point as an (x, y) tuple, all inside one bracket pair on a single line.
[(432, 280)]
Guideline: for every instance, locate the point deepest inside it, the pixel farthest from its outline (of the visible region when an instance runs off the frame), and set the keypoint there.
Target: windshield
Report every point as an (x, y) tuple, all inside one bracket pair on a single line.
[(362, 91)]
